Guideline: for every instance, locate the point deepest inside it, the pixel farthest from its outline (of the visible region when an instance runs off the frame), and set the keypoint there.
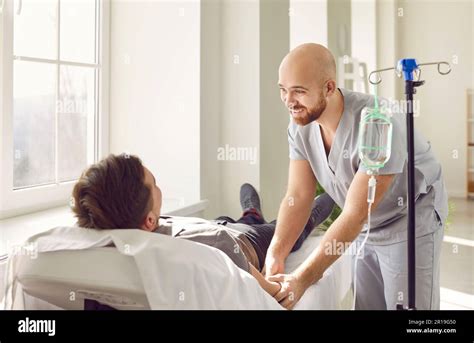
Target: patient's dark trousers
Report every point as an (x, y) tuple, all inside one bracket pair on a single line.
[(260, 233)]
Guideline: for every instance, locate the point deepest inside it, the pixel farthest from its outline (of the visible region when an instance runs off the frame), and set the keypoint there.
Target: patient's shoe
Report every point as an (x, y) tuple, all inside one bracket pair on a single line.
[(322, 208), (249, 199)]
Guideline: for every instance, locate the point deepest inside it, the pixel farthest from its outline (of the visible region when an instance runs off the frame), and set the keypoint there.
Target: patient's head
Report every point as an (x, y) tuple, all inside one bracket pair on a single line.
[(117, 193)]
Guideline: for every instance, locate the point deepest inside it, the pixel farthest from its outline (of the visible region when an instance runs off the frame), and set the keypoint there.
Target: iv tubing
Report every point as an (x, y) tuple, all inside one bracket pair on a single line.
[(370, 201)]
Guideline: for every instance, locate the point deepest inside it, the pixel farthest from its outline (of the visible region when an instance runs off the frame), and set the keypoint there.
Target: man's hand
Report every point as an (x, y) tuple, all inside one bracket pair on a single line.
[(292, 289), (273, 265)]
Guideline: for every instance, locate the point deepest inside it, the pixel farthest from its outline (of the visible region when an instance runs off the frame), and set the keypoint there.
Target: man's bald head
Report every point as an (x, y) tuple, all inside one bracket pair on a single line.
[(307, 82), (312, 60)]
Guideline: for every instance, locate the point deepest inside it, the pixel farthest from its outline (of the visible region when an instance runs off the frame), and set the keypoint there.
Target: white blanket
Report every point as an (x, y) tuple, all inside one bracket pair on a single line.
[(178, 274)]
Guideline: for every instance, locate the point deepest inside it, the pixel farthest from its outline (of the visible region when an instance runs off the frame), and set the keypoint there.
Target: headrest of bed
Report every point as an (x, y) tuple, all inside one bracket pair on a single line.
[(67, 278)]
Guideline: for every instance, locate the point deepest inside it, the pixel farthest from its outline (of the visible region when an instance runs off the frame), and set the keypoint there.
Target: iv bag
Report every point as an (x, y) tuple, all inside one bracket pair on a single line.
[(375, 138)]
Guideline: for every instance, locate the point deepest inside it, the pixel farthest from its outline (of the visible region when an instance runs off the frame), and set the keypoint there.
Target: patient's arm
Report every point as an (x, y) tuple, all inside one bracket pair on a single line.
[(269, 286)]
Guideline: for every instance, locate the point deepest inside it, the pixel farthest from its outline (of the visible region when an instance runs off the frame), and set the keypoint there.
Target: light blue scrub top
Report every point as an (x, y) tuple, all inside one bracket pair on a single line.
[(336, 171)]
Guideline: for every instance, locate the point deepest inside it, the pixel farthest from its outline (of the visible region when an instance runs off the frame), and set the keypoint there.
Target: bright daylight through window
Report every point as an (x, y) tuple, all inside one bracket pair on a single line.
[(55, 90)]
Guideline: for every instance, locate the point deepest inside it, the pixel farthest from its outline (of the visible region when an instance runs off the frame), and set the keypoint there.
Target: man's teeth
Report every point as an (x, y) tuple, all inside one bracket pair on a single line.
[(297, 111)]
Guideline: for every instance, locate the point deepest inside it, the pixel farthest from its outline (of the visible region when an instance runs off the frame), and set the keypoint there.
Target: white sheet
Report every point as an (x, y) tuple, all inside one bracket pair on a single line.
[(178, 274), (329, 292)]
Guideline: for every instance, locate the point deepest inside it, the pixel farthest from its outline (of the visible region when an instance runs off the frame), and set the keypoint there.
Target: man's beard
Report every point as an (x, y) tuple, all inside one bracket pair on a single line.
[(312, 114)]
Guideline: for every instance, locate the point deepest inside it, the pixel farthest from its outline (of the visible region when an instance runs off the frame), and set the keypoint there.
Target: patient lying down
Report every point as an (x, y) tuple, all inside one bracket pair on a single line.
[(120, 193)]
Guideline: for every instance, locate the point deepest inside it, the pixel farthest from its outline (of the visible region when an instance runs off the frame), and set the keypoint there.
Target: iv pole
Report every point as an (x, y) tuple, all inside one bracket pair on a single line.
[(409, 68)]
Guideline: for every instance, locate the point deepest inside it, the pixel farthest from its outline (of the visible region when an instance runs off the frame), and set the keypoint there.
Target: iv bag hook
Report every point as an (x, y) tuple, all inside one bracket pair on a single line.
[(378, 77)]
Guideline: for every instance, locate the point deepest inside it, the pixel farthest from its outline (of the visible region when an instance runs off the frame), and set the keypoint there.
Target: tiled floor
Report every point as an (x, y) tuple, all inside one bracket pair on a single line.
[(457, 257)]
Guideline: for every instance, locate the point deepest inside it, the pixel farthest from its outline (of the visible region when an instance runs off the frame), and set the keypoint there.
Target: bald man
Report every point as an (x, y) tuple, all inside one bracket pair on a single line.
[(322, 135)]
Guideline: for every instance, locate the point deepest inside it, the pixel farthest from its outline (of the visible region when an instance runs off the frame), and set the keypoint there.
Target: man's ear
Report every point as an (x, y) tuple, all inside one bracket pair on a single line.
[(330, 87), (150, 222)]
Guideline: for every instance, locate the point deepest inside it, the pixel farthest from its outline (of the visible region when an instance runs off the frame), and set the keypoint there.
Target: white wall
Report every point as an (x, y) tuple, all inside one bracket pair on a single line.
[(446, 33), (211, 93), (274, 118), (2, 73), (339, 27), (154, 95), (387, 47), (339, 35), (363, 31), (308, 22), (3, 267), (240, 105)]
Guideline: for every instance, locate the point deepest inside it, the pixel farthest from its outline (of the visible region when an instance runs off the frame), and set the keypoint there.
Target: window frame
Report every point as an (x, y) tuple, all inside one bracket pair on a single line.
[(36, 198)]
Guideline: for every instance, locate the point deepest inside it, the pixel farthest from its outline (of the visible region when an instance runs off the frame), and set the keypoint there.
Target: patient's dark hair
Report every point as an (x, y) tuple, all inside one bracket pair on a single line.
[(111, 194)]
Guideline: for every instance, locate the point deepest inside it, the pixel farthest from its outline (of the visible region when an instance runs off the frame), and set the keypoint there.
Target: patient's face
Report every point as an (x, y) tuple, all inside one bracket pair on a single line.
[(150, 182)]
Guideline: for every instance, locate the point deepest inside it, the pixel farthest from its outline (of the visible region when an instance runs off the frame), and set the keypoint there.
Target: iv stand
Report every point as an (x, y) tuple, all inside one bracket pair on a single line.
[(409, 67)]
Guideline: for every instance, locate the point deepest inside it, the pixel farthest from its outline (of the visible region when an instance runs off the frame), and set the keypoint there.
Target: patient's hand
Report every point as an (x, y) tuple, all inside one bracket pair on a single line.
[(271, 287)]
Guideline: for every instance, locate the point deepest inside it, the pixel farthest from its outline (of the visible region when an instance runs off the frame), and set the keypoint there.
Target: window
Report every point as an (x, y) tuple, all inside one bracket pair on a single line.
[(53, 89)]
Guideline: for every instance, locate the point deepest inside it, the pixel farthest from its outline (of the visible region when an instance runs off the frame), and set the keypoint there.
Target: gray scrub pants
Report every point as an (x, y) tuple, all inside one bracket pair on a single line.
[(382, 274)]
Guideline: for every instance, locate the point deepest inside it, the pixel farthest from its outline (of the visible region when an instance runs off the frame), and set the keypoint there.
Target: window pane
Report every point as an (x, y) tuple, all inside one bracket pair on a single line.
[(78, 30), (76, 120), (34, 95), (35, 28)]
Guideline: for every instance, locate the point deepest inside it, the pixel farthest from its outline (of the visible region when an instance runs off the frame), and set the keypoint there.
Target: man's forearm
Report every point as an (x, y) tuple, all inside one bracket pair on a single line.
[(344, 230), (292, 218), (335, 241)]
